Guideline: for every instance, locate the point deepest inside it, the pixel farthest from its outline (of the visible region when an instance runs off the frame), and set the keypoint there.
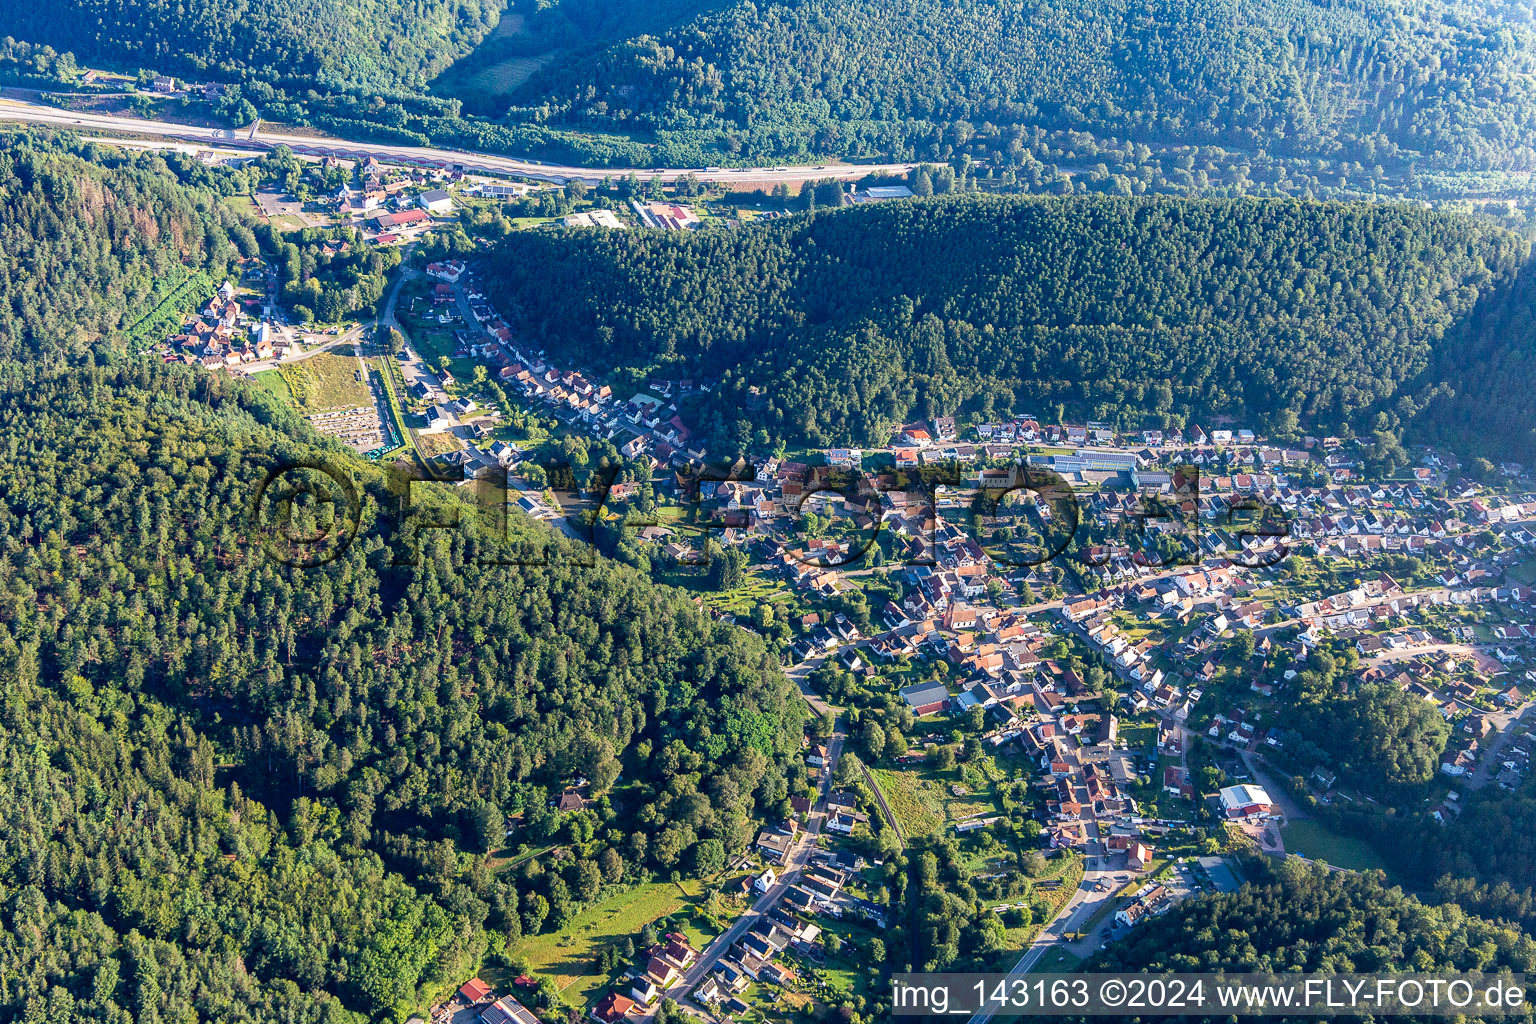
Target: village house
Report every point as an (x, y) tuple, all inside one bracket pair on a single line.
[(926, 698), (610, 1009), (507, 1010)]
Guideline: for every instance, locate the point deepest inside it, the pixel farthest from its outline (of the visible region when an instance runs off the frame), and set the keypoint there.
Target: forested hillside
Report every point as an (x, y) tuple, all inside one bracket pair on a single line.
[(390, 46), (1491, 355), (532, 33), (87, 246), (1449, 84), (223, 775), (1495, 842), (94, 239), (1380, 738), (235, 790), (1299, 917), (834, 328), (1373, 88)]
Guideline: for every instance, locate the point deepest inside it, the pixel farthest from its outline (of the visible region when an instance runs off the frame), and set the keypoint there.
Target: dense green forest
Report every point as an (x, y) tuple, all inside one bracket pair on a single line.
[(1491, 355), (834, 328), (237, 790), (535, 33), (95, 237), (1451, 84), (88, 242), (1376, 735), (1361, 84), (1389, 744), (1495, 840), (224, 774), (1300, 917), (390, 46), (1292, 916)]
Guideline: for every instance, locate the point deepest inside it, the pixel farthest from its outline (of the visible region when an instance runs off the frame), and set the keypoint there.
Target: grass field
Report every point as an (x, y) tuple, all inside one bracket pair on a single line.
[(488, 72), (924, 802), (1523, 573), (1070, 872), (756, 590), (1139, 736), (243, 204), (498, 79), (567, 956), (389, 374), (436, 444), (1057, 961), (272, 381), (846, 973), (918, 805), (326, 381), (434, 341), (1311, 839)]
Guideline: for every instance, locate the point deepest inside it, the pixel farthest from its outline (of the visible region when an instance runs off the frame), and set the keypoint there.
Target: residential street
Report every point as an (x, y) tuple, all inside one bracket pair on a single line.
[(1120, 415), (1487, 766), (788, 876), (722, 945), (347, 337), (1074, 913), (1084, 903)]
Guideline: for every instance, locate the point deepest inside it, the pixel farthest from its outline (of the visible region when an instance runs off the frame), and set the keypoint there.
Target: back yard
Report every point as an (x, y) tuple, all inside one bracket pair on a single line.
[(927, 800), (568, 956)]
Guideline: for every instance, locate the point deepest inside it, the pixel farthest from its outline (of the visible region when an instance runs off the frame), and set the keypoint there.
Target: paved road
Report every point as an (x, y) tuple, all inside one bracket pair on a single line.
[(718, 949), (1411, 653), (388, 317), (1076, 911), (1501, 719), (792, 868), (800, 675), (789, 875), (553, 517), (331, 342), (1490, 764), (31, 113), (1082, 905)]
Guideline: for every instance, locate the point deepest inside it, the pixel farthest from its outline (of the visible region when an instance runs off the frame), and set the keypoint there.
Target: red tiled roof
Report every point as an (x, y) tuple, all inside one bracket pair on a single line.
[(475, 990), (613, 1007)]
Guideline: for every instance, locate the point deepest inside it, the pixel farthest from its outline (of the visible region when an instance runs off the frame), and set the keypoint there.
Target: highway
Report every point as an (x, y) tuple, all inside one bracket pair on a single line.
[(427, 156)]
